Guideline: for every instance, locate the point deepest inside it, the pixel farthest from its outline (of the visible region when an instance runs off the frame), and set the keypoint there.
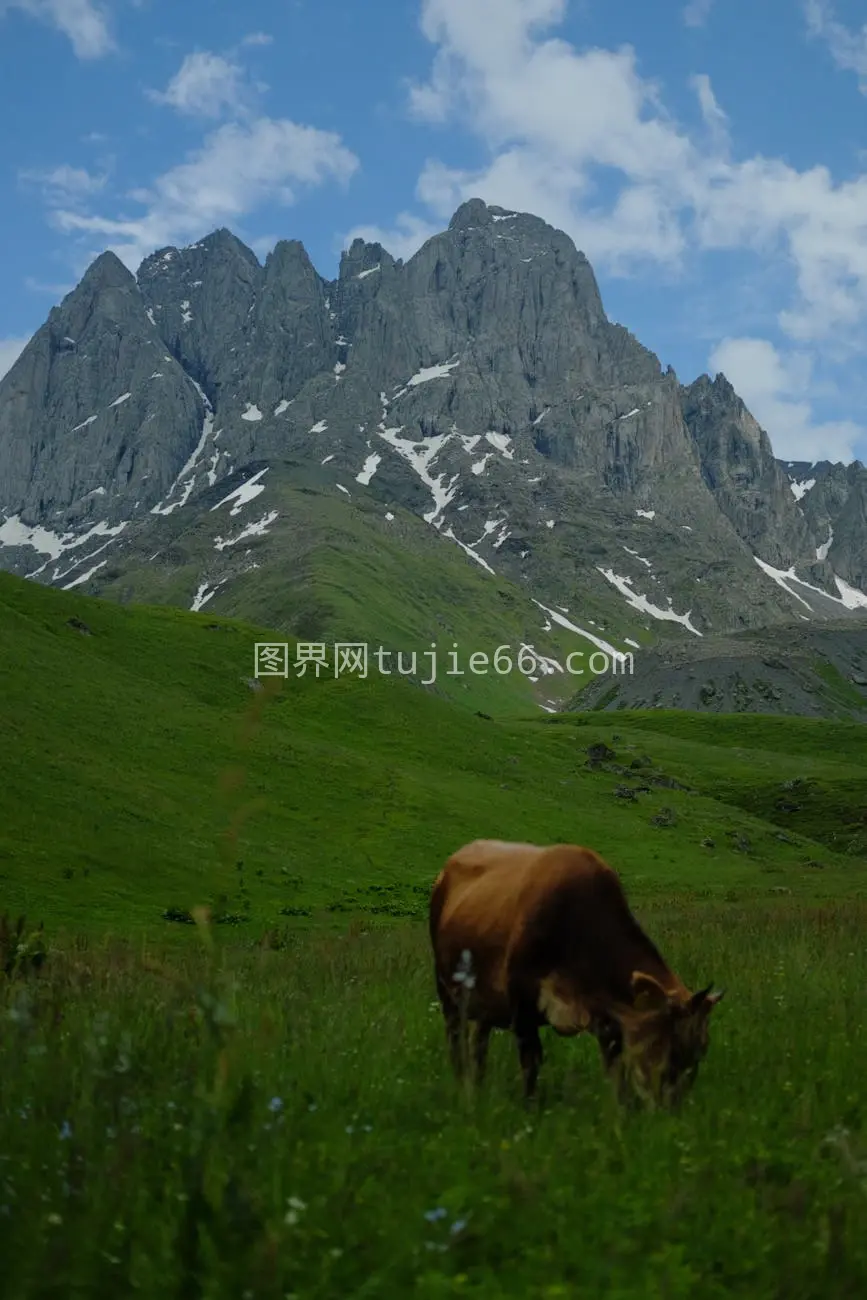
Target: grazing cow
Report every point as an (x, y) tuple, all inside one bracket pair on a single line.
[(525, 936)]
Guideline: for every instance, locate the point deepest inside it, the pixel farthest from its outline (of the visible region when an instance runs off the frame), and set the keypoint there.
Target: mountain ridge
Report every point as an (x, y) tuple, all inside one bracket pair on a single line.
[(479, 385)]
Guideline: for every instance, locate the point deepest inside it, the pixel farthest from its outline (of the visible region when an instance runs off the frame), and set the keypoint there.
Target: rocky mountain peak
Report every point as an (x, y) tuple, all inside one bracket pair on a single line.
[(223, 240), (361, 259), (220, 247), (288, 252), (723, 388), (289, 270), (107, 294), (474, 212), (700, 389), (479, 384), (106, 272), (739, 467)]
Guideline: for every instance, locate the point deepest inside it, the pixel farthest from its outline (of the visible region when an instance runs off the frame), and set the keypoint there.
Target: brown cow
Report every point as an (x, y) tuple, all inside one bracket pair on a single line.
[(525, 936)]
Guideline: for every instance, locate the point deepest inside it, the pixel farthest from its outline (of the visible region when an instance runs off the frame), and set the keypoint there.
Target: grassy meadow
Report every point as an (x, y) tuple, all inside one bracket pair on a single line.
[(254, 1100)]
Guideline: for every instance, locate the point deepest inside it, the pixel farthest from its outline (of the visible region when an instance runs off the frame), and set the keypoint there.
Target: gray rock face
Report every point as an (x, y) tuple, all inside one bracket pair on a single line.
[(293, 337), (833, 498), (739, 467), (479, 384), (95, 416), (504, 289), (202, 300)]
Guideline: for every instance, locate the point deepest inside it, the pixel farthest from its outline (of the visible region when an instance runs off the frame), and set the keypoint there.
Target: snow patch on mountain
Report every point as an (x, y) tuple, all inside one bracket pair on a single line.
[(824, 548), (558, 618), (449, 532), (368, 469), (645, 606), (244, 493), (84, 577), (501, 442), (421, 455), (188, 471), (203, 595), (427, 373), (257, 529), (15, 533), (851, 597)]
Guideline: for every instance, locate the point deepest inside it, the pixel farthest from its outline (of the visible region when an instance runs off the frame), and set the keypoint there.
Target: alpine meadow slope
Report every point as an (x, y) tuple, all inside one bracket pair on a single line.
[(167, 781)]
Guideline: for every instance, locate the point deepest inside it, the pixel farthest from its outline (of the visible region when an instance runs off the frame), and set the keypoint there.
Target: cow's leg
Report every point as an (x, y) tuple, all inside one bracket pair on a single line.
[(523, 1000), (530, 1053), (482, 1038), (455, 1027), (609, 1036), (453, 1038)]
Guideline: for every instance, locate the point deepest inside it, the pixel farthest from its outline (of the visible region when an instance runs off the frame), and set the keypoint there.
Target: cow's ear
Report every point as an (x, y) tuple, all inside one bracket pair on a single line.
[(647, 992)]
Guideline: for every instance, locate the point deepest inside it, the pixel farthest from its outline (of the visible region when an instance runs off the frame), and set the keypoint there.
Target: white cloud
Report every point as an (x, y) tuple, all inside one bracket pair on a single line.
[(774, 387), (65, 185), (697, 12), (581, 138), (715, 119), (83, 21), (819, 227), (262, 245), (258, 38), (552, 118), (205, 85), (56, 290), (559, 122), (238, 168), (848, 49), (10, 351)]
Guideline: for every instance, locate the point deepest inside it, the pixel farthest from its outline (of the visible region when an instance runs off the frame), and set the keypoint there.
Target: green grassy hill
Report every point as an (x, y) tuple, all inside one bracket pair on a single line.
[(326, 568), (271, 1113), (139, 772)]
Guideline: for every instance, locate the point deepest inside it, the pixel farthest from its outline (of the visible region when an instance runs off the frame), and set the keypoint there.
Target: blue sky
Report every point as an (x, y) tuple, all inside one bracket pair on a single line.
[(709, 156)]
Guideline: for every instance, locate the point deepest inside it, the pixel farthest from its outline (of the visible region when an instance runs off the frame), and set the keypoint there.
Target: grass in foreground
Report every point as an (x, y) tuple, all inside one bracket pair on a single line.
[(283, 1124)]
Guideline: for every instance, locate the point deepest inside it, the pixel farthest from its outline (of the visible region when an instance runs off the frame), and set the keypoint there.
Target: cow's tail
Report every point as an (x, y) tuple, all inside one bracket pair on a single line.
[(437, 903)]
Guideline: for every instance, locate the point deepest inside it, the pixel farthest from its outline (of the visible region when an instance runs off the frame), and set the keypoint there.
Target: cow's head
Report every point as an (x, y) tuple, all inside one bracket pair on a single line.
[(665, 1038)]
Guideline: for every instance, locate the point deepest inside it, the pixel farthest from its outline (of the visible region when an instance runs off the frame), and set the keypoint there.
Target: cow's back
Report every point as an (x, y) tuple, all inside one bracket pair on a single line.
[(545, 908), (492, 894), (482, 878)]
